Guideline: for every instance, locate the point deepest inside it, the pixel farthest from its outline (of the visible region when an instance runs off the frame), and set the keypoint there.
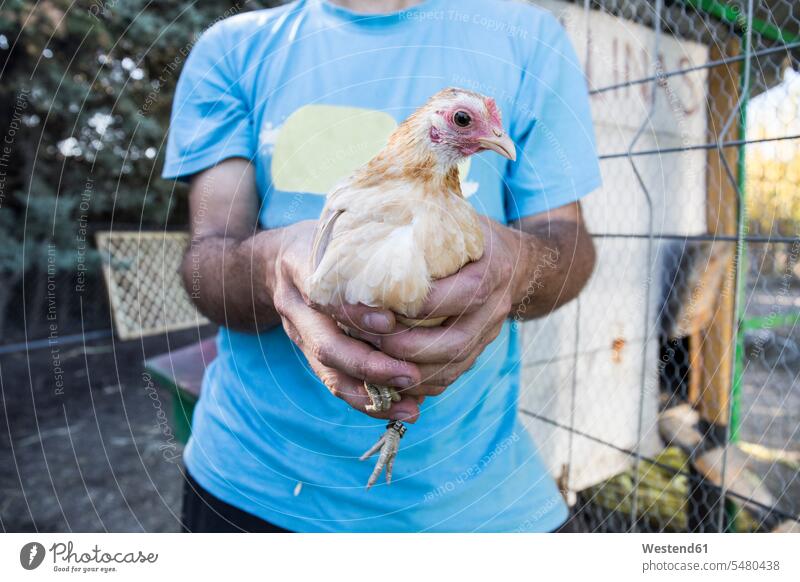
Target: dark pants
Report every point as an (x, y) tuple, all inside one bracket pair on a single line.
[(204, 513)]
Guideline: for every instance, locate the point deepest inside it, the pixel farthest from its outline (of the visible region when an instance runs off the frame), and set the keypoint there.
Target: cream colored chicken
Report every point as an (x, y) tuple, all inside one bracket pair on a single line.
[(400, 222)]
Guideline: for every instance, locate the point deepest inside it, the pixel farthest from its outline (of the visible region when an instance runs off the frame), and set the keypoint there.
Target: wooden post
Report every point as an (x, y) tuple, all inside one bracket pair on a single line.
[(718, 349), (695, 365)]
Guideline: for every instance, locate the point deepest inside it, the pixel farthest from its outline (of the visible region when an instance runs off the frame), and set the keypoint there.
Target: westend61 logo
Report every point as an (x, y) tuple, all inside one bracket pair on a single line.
[(66, 559)]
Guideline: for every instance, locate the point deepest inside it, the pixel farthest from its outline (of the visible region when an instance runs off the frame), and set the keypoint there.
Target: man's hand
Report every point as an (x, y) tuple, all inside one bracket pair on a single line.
[(476, 302), (340, 361), (251, 280), (525, 272)]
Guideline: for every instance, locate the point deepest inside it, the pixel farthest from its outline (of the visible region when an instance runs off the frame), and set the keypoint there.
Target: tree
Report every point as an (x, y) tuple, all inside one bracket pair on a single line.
[(85, 98)]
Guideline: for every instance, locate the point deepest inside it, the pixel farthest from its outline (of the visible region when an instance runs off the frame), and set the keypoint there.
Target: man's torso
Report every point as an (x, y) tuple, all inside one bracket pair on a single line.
[(324, 90)]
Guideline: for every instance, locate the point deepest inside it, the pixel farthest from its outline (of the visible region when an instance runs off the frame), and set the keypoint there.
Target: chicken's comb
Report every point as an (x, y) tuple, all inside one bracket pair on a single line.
[(491, 107)]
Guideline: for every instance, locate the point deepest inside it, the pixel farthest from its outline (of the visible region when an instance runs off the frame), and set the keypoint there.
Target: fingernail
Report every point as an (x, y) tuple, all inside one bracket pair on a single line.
[(407, 416), (377, 322), (402, 382)]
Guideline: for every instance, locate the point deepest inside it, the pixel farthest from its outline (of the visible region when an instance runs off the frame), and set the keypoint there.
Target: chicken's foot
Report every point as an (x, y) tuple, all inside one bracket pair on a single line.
[(388, 445), (381, 397)]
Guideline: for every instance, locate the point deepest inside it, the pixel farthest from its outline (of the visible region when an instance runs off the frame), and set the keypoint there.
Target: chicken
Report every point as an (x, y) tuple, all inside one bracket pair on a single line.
[(400, 222)]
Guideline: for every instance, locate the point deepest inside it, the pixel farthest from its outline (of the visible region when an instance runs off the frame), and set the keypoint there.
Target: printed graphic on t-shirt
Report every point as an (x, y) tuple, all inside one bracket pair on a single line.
[(319, 145)]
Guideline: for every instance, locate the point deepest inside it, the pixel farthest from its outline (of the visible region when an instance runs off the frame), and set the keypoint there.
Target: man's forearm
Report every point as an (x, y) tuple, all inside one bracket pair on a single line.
[(556, 259), (228, 279)]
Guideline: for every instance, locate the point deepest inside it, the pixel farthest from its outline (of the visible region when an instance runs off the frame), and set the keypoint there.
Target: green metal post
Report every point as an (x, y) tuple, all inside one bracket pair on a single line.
[(732, 14), (738, 377)]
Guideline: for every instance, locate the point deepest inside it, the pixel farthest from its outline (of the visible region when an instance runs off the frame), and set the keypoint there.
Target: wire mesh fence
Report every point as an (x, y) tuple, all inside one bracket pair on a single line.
[(666, 397), (63, 302), (675, 374), (53, 305)]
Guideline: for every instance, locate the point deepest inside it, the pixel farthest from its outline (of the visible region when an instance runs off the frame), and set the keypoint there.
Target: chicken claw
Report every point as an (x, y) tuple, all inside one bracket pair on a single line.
[(381, 397), (388, 445)]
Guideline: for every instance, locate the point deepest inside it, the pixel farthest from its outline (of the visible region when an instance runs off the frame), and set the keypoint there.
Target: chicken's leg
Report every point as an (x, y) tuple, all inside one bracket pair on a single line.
[(388, 445), (381, 398)]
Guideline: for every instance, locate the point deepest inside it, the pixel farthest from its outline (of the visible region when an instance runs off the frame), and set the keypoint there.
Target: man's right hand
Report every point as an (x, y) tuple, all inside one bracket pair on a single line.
[(342, 363)]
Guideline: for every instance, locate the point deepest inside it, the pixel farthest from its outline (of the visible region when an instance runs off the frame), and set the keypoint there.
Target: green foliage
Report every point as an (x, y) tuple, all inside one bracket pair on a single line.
[(85, 94)]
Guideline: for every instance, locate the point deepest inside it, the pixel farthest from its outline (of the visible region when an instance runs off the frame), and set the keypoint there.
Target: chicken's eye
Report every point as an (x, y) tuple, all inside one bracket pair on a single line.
[(462, 118)]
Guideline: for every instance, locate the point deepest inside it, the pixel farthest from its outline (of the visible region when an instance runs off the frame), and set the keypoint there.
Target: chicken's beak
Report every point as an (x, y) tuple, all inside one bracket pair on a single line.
[(500, 143)]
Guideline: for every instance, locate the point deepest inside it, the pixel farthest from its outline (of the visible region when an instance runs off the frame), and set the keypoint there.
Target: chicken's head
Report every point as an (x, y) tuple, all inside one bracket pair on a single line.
[(463, 123)]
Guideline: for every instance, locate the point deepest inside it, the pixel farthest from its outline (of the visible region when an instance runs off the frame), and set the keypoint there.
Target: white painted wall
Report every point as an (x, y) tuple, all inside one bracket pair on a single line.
[(607, 382)]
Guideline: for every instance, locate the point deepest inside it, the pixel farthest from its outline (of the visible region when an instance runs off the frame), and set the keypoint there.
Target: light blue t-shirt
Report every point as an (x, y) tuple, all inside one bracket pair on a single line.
[(309, 91)]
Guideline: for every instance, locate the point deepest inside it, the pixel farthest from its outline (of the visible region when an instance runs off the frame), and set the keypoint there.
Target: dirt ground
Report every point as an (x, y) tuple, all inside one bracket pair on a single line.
[(84, 444)]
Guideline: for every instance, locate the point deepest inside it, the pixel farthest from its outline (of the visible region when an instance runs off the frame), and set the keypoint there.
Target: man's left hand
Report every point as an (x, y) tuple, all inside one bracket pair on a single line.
[(525, 272)]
